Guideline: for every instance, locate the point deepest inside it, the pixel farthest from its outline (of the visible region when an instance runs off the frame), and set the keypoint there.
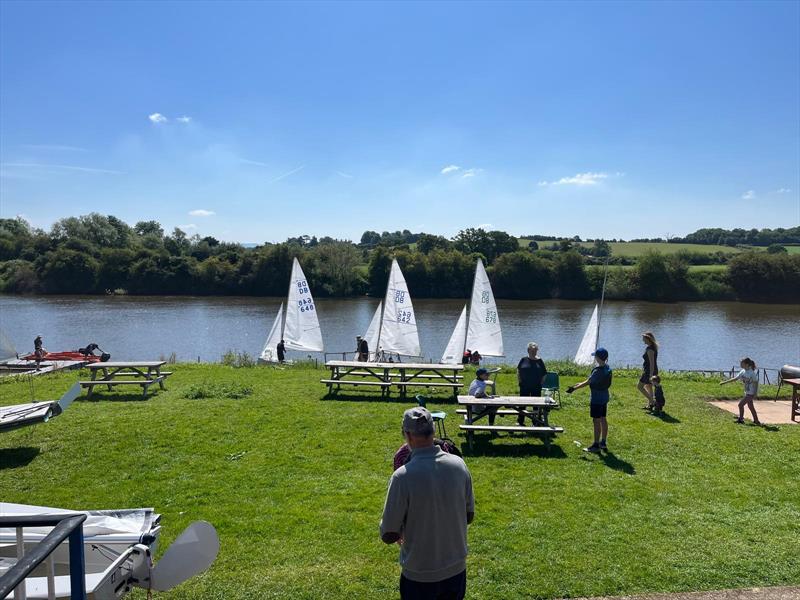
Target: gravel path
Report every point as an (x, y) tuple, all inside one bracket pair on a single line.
[(774, 593)]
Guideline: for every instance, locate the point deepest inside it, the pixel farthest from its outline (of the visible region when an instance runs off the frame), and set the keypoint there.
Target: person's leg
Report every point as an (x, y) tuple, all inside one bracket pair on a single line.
[(598, 426), (452, 588), (742, 402), (644, 389), (751, 405), (417, 590), (603, 429)]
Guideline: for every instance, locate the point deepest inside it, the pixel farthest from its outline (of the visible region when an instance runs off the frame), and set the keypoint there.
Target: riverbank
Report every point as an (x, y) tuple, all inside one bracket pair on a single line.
[(295, 484)]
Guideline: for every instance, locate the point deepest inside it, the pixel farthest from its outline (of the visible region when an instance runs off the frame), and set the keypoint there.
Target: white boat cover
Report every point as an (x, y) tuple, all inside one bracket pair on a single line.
[(301, 331), (270, 351), (374, 330), (483, 332), (455, 347), (589, 342), (7, 349), (399, 325), (31, 413)]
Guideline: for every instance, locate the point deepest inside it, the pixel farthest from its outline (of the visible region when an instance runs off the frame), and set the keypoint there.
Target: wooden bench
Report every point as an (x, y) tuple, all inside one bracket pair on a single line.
[(351, 382), (145, 383), (427, 384), (500, 411), (544, 432)]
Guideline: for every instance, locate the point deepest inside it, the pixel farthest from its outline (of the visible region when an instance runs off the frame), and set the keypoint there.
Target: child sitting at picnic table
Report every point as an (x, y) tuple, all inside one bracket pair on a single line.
[(478, 389), (599, 382)]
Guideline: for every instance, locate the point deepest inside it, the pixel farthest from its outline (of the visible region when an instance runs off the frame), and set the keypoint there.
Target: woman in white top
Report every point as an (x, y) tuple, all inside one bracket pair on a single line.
[(749, 378)]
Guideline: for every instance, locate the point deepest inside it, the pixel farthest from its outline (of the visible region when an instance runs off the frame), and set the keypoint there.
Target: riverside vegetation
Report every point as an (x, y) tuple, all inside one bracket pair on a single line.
[(95, 254), (295, 482)]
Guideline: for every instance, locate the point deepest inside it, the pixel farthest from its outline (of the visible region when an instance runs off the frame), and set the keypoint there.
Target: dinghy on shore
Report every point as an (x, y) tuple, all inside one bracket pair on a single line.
[(31, 413), (397, 333)]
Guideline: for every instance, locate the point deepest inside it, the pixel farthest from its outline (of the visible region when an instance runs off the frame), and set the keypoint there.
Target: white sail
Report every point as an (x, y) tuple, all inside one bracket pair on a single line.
[(270, 351), (399, 324), (374, 329), (7, 350), (455, 347), (301, 331), (589, 342), (483, 333)]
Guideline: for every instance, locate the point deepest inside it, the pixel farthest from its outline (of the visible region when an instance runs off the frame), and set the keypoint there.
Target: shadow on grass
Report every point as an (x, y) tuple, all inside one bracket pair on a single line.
[(339, 397), (483, 446), (116, 397), (12, 458), (771, 428), (667, 418), (612, 461)]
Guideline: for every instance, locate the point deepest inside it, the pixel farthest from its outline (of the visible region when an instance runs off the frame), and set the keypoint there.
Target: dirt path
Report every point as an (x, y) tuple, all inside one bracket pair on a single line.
[(774, 593)]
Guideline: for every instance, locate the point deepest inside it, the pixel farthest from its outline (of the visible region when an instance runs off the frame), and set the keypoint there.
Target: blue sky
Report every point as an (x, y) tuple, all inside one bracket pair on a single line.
[(254, 121)]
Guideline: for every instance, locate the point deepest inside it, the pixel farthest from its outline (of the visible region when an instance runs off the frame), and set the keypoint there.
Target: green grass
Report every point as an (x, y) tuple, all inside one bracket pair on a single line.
[(793, 249), (295, 484)]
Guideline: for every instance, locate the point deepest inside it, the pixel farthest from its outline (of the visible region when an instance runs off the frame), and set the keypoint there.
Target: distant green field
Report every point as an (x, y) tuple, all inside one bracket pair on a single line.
[(793, 249), (634, 249)]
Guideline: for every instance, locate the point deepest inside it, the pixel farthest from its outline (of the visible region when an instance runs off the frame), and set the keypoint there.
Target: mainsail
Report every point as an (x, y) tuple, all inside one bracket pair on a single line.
[(374, 330), (483, 333), (455, 347), (7, 350), (398, 325), (270, 351), (589, 342), (301, 331)]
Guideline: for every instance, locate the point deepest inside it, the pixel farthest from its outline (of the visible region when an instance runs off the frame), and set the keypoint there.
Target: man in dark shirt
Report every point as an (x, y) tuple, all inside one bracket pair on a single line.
[(281, 348), (531, 372), (362, 347)]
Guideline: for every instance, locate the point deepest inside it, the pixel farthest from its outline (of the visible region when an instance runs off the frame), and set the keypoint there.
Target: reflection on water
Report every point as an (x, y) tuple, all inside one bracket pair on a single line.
[(692, 335)]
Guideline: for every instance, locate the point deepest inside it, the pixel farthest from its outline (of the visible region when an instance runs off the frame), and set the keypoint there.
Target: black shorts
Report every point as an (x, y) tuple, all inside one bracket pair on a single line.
[(598, 410), (530, 391)]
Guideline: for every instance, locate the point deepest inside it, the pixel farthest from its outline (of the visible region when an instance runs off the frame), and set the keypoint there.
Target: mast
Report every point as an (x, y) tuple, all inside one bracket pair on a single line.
[(602, 298)]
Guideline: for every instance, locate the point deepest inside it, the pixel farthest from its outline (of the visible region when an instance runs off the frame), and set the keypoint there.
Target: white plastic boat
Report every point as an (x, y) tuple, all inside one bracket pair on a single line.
[(31, 413)]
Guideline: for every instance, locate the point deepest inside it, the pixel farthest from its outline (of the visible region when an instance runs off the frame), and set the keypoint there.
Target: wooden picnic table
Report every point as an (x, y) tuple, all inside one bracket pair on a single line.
[(795, 383), (393, 374), (143, 372), (536, 407)]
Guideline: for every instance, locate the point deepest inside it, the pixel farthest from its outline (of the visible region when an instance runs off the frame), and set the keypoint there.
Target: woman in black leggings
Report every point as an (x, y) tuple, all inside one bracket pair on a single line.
[(649, 367)]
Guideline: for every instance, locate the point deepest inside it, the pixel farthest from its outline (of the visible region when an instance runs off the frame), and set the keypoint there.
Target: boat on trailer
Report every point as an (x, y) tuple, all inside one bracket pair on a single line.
[(118, 551)]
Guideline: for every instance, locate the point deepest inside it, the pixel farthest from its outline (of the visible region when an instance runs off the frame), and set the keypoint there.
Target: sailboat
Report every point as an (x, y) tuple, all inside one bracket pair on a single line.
[(591, 337), (393, 329), (480, 328), (301, 330), (22, 415)]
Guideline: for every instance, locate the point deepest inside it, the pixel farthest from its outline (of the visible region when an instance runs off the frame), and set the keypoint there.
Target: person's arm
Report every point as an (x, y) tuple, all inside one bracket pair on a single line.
[(394, 513), (544, 372), (739, 375), (577, 386), (470, 499), (519, 375)]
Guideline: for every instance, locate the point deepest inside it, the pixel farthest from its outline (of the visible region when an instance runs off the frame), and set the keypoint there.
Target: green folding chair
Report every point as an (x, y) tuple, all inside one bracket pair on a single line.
[(438, 416), (552, 383)]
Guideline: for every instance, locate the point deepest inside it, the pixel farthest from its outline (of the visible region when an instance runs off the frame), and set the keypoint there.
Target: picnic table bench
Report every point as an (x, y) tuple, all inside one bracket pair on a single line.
[(387, 375), (795, 383), (536, 407), (142, 373)]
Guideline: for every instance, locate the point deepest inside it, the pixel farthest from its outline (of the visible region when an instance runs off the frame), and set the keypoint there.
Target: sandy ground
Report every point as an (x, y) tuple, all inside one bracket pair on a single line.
[(771, 412), (776, 593)]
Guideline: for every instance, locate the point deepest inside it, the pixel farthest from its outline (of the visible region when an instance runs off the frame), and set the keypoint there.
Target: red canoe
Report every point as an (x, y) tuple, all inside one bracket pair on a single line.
[(71, 355)]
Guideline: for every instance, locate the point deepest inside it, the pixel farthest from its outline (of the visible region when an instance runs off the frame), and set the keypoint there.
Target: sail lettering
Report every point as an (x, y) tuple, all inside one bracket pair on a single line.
[(485, 296), (400, 296), (404, 316), (491, 316)]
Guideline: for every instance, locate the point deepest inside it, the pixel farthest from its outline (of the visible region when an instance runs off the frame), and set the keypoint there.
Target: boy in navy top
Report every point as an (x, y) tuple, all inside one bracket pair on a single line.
[(599, 382)]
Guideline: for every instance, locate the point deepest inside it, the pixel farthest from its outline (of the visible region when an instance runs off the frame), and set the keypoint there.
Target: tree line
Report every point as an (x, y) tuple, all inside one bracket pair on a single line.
[(94, 254)]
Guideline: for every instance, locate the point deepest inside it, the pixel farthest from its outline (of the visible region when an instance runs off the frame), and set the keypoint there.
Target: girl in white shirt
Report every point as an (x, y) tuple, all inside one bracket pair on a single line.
[(749, 378)]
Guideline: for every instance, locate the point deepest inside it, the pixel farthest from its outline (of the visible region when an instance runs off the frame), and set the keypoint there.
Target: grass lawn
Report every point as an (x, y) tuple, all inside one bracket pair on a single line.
[(295, 485), (793, 249), (636, 249)]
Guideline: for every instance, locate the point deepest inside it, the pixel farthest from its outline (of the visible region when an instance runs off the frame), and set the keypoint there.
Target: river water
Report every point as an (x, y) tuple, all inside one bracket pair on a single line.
[(702, 335)]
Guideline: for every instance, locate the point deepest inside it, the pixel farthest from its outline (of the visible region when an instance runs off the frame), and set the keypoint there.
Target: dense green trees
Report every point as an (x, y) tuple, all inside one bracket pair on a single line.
[(94, 254)]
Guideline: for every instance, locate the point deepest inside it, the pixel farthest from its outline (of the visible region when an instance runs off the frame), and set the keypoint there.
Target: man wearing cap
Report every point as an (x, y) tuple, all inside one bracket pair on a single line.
[(599, 382), (428, 507)]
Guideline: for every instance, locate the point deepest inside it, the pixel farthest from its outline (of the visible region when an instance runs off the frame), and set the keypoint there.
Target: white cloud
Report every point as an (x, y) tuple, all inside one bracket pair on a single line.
[(450, 169), (157, 118), (749, 195), (582, 179), (543, 184), (201, 212), (470, 173), (345, 175), (292, 172), (485, 226), (782, 191), (247, 161), (187, 226), (46, 166), (184, 119)]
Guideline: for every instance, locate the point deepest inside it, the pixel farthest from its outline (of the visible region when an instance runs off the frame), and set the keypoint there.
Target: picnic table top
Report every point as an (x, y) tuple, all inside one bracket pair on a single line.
[(393, 365), (508, 401), (123, 364)]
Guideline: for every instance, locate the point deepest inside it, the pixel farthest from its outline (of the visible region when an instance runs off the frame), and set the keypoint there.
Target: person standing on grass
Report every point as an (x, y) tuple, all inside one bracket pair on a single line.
[(531, 372), (281, 348), (649, 368), (362, 349), (428, 506), (599, 382), (749, 378), (658, 395)]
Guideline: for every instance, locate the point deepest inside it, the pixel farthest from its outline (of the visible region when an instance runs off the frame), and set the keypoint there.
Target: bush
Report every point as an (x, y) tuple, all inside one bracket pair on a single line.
[(231, 358), (207, 389), (759, 277)]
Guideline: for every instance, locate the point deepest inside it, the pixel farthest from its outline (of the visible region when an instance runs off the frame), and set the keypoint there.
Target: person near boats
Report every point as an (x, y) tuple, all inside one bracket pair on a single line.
[(649, 368), (599, 381), (38, 348), (749, 378), (362, 349), (475, 358), (531, 372), (477, 389), (466, 357), (428, 506), (281, 350)]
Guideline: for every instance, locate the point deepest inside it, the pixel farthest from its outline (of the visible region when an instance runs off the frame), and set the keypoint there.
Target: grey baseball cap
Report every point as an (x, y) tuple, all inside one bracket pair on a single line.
[(418, 421)]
